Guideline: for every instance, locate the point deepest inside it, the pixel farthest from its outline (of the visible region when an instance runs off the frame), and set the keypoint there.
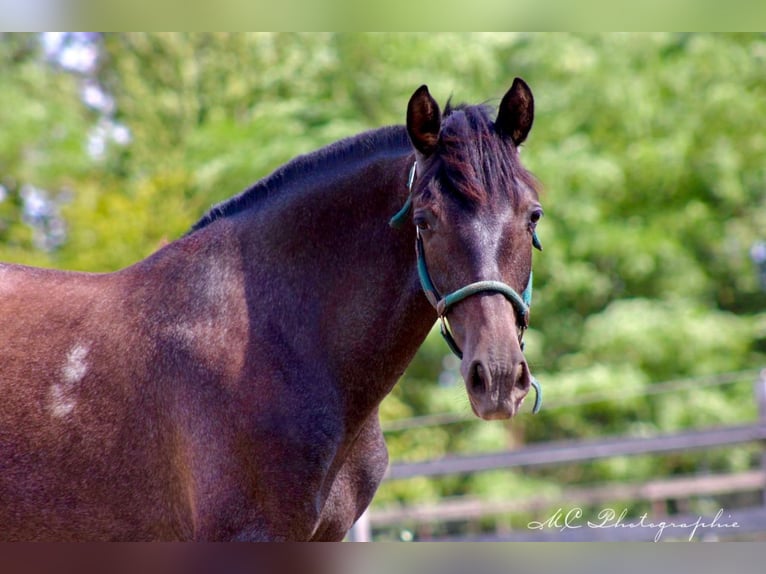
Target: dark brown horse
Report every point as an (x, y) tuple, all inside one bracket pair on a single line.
[(227, 387)]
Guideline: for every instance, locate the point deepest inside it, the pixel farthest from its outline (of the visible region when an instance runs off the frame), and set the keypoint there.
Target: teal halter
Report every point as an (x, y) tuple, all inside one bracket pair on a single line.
[(520, 303)]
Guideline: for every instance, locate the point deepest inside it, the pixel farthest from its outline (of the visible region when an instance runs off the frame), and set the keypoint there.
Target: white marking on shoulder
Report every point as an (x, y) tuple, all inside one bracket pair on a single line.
[(62, 395), (75, 367), (61, 403)]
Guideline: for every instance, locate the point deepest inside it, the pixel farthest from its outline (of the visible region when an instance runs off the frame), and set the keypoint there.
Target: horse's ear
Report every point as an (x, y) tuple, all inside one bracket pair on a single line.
[(423, 121), (517, 110)]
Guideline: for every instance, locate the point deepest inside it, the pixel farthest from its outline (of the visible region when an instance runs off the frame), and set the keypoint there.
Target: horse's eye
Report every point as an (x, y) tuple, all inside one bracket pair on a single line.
[(535, 217), (422, 223)]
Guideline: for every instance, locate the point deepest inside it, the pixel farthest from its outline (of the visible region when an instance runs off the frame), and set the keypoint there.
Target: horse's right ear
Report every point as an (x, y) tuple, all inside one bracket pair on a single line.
[(423, 121)]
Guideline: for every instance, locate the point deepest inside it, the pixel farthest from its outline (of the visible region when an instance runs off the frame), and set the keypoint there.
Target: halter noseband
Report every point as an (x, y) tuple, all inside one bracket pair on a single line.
[(520, 303)]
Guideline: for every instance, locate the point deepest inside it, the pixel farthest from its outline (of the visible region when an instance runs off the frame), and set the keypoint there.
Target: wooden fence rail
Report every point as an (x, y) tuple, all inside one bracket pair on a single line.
[(581, 451)]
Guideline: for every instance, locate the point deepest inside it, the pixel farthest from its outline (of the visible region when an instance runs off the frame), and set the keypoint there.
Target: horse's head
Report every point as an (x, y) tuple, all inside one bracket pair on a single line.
[(475, 208)]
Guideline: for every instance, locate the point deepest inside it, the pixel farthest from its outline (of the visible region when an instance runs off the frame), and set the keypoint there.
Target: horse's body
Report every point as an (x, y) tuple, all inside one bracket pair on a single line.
[(227, 386)]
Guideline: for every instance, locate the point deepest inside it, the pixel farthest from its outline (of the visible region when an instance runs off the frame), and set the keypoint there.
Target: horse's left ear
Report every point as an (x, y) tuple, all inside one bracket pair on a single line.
[(517, 111)]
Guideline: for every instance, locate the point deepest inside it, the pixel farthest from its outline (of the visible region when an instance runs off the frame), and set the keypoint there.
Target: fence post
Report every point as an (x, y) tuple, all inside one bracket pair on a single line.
[(760, 396), (361, 531)]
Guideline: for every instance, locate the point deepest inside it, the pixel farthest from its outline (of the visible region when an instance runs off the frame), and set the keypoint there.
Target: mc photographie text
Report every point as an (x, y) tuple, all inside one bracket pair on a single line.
[(607, 518)]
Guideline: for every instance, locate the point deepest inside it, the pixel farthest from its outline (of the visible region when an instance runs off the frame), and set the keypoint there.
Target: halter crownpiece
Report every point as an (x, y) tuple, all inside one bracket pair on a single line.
[(520, 303), (398, 219)]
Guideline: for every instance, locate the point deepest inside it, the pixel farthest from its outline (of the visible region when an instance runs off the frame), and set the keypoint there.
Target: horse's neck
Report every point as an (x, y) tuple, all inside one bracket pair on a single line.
[(346, 282)]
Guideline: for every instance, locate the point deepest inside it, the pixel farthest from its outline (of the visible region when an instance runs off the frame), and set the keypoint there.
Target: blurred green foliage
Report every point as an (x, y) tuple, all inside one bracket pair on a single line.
[(650, 148)]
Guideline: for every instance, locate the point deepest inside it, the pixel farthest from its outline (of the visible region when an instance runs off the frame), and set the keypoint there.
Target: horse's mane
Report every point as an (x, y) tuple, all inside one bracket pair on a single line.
[(340, 153), (473, 171)]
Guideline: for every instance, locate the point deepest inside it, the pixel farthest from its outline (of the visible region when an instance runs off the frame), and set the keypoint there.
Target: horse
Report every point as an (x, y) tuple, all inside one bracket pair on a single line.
[(227, 386)]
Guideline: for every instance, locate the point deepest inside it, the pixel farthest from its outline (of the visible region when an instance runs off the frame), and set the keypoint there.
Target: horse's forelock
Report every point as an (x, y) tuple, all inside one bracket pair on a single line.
[(476, 160)]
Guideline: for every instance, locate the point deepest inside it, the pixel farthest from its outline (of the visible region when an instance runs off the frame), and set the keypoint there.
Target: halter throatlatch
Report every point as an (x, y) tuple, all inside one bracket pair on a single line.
[(520, 303)]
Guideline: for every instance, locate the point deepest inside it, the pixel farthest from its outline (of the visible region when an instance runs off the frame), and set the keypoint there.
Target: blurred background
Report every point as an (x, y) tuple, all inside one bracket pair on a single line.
[(649, 310)]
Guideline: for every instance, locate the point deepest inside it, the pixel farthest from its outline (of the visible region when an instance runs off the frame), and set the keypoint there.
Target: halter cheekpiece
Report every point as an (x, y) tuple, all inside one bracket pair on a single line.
[(442, 304)]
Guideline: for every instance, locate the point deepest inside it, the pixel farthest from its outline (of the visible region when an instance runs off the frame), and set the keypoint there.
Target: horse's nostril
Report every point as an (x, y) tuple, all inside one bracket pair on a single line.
[(478, 381), (523, 376)]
